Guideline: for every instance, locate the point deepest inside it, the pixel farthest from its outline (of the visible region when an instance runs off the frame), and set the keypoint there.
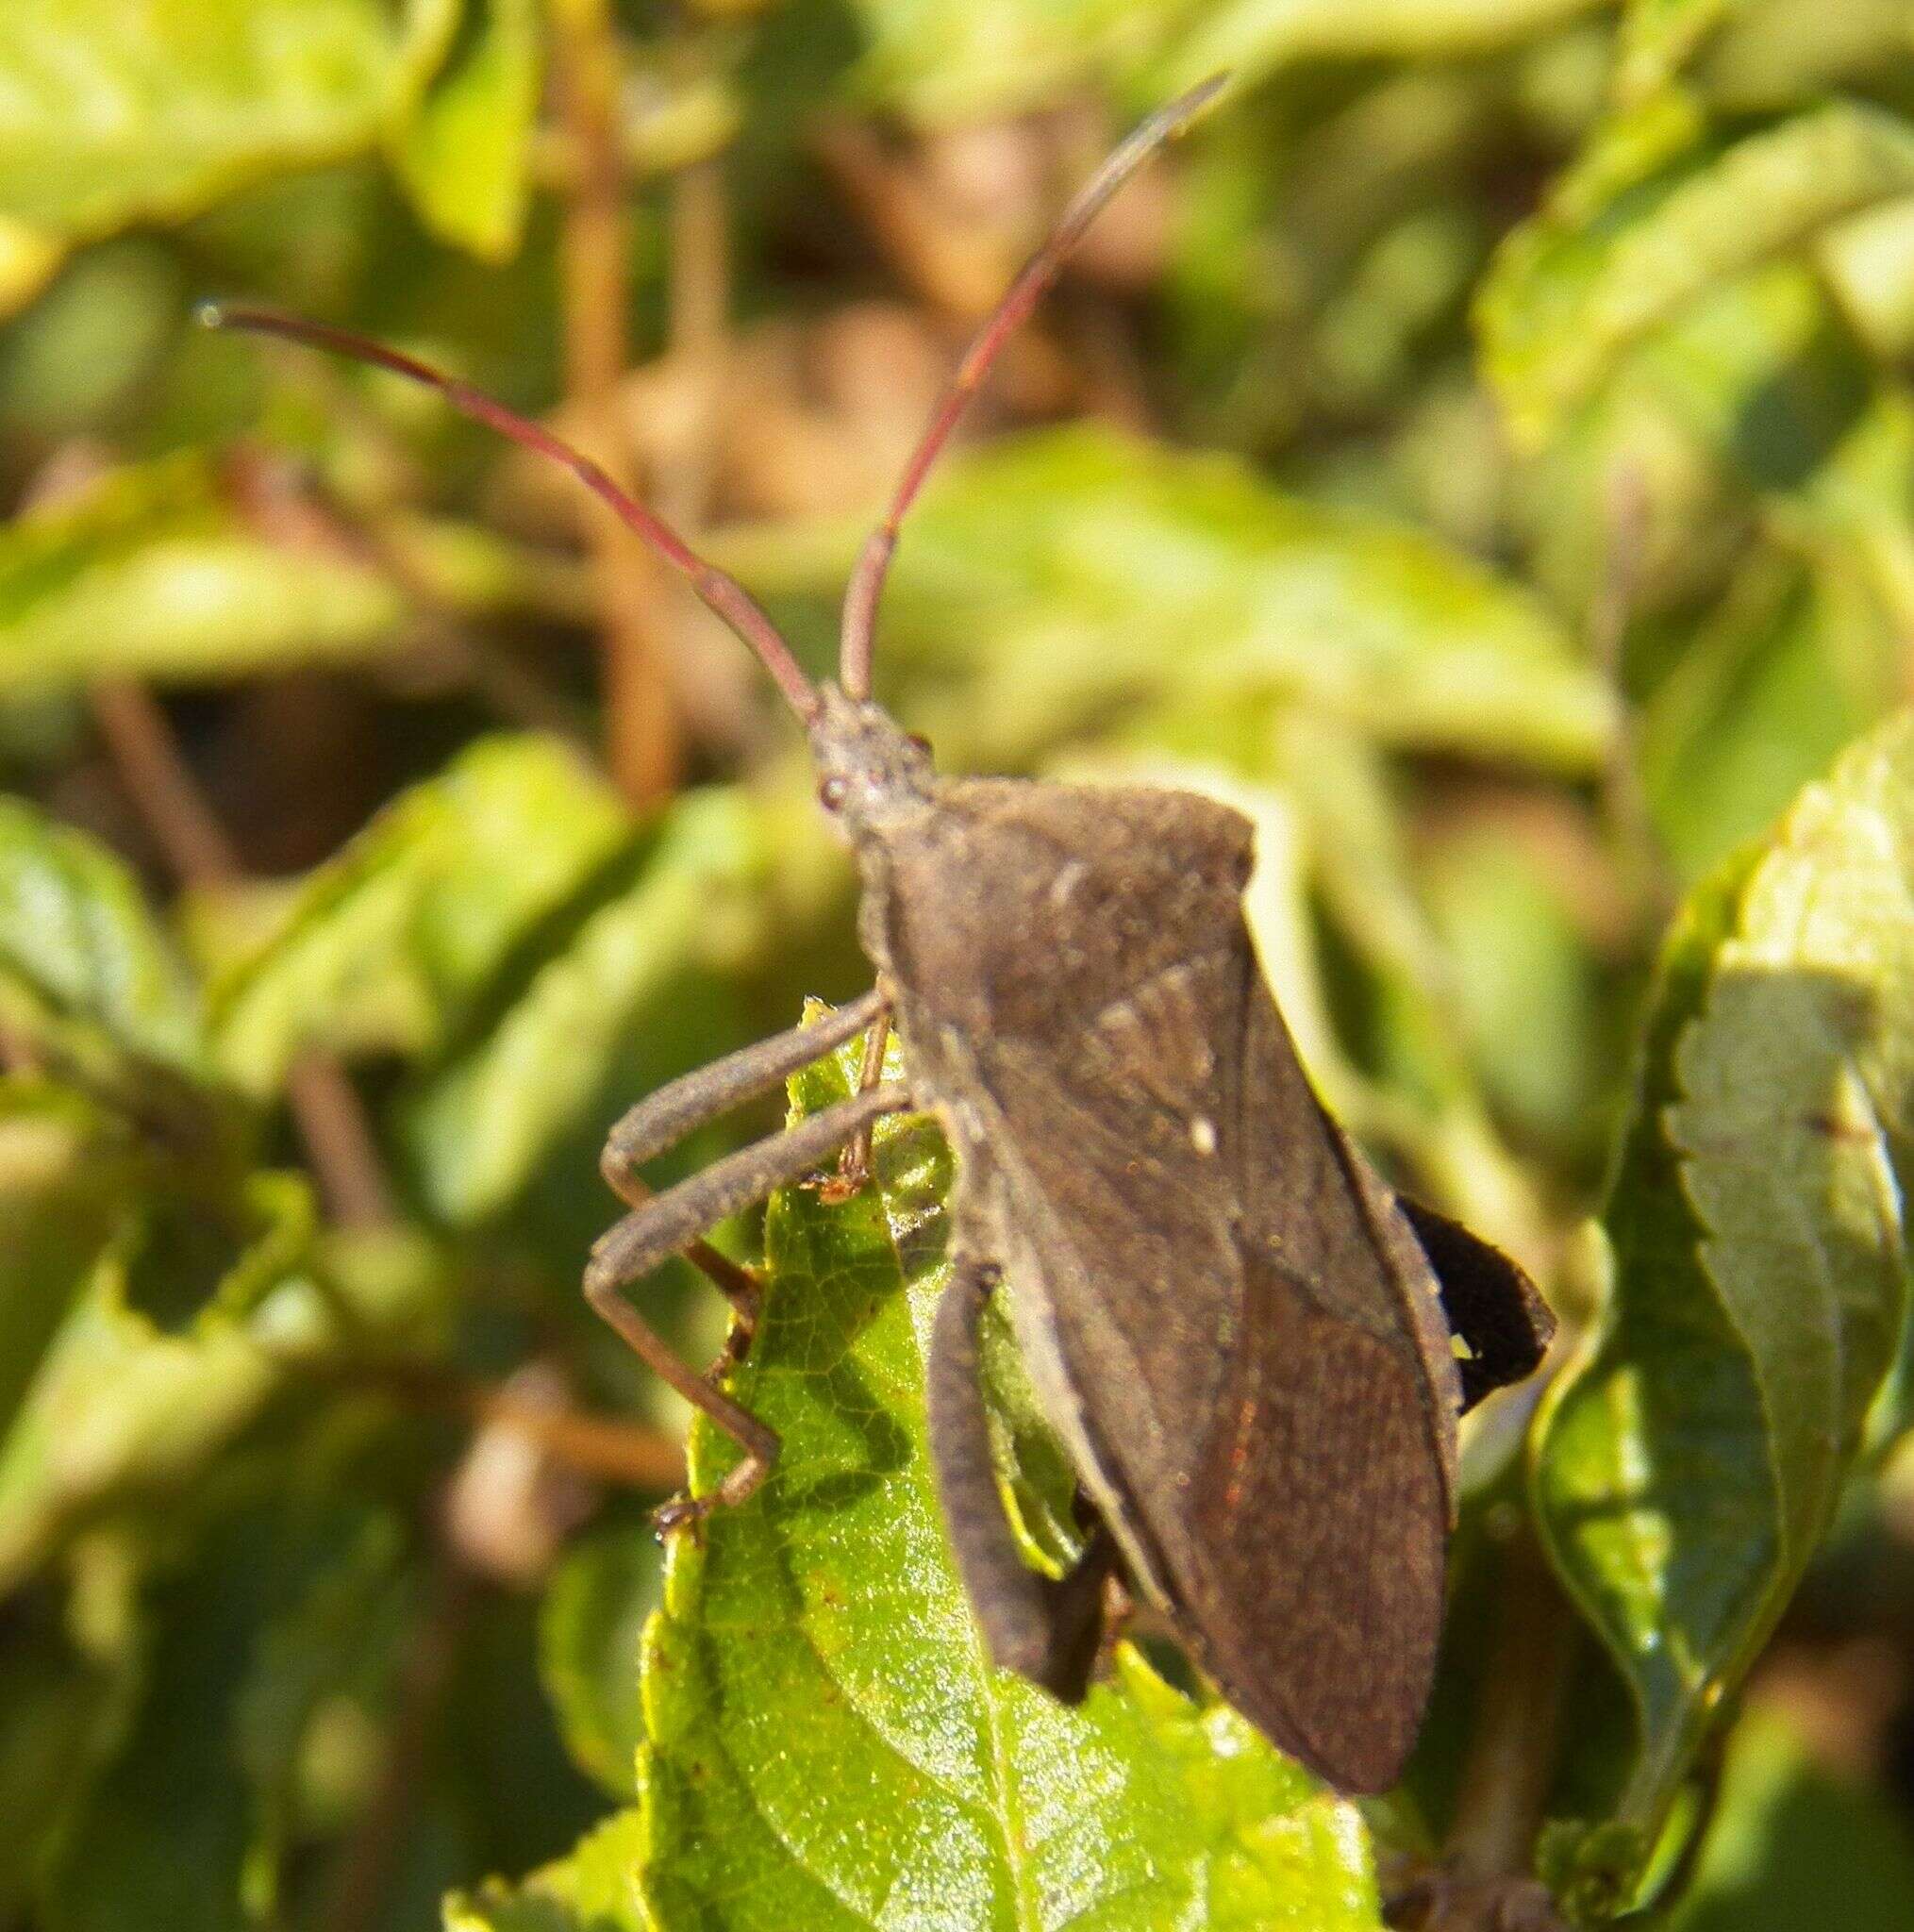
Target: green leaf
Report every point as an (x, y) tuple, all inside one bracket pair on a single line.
[(27, 261), (508, 984), (1521, 979), (595, 1889), (286, 1608), (1688, 1462), (323, 1661), (589, 1628), (946, 60), (827, 1742), (1761, 698), (60, 1712), (388, 943), (151, 573), (464, 156), (960, 59), (80, 951), (1058, 573), (62, 1185), (1783, 1827), (203, 1304), (1660, 38), (121, 1398), (482, 1115), (1657, 213), (111, 113), (1252, 38)]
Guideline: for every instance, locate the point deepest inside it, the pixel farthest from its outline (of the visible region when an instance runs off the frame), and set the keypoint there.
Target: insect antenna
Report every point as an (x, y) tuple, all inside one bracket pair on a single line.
[(1032, 283), (720, 593)]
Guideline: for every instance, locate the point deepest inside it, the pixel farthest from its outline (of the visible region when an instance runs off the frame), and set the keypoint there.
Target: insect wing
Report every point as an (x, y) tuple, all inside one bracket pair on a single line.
[(1225, 1311), (1252, 1333)]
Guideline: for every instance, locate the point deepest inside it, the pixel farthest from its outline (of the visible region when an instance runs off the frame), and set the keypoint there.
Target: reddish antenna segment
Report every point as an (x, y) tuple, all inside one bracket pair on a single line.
[(859, 628), (720, 593)]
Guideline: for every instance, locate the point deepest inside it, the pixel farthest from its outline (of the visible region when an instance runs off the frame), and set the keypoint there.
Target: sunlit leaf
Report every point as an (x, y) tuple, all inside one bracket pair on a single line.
[(28, 256), (815, 1665), (943, 59), (1655, 215), (1054, 576), (81, 948), (1690, 1460), (1660, 36), (464, 154), (111, 113), (121, 1398), (595, 1889), (62, 1197), (388, 943), (152, 573), (516, 1077), (1251, 36), (180, 1328), (1768, 689)]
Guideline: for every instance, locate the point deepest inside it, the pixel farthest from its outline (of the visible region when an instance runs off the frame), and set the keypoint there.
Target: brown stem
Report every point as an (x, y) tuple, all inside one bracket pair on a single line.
[(700, 296), (195, 846), (1504, 1783), (642, 715), (307, 513), (962, 280), (591, 1445), (715, 688), (16, 1056), (188, 832)]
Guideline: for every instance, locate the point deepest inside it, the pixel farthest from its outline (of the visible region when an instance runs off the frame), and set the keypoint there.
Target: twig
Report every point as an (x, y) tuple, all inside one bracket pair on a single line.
[(591, 1445), (1504, 1782), (195, 846), (641, 711), (16, 1056), (715, 682), (962, 280), (700, 296), (306, 511), (188, 834)]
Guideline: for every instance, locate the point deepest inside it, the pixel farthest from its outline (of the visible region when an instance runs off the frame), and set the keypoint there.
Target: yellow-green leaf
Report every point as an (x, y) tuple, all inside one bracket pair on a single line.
[(1688, 1463)]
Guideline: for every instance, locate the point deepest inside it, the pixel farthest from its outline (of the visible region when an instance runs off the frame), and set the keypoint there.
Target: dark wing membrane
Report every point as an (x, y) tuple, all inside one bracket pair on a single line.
[(1488, 1300), (1316, 1592), (1327, 1496), (1218, 1255)]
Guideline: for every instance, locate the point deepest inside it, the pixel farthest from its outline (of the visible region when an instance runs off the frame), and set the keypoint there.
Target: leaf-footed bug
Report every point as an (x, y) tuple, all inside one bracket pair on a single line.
[(1243, 1335)]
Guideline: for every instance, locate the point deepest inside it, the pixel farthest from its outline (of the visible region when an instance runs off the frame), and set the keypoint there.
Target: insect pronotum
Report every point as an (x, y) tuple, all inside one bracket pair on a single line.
[(1243, 1335)]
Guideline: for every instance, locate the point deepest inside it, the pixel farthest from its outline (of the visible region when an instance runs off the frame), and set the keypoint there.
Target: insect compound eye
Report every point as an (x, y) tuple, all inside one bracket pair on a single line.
[(832, 791)]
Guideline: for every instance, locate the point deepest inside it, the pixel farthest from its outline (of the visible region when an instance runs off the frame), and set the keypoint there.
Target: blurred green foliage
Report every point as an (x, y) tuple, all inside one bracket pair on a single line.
[(1481, 451)]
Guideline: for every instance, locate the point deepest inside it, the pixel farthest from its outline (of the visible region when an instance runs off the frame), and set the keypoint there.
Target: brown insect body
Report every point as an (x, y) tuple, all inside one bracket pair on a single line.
[(1242, 1334), (1226, 1314)]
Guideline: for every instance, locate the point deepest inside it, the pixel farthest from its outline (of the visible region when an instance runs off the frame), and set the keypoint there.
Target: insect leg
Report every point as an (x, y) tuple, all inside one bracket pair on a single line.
[(854, 1165), (1043, 1629), (663, 1119), (664, 1224), (682, 1105)]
